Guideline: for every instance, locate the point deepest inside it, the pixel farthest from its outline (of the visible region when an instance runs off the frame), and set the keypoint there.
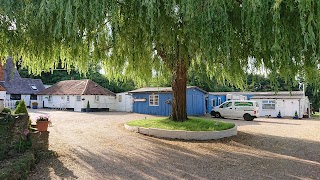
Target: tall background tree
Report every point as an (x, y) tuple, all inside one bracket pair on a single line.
[(164, 39)]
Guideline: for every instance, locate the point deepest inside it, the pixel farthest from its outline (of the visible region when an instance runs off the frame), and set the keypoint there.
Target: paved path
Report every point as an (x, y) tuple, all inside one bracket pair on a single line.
[(96, 146)]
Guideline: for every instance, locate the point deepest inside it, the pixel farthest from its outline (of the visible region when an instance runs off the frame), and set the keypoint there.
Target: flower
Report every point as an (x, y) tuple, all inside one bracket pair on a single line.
[(26, 132), (43, 118)]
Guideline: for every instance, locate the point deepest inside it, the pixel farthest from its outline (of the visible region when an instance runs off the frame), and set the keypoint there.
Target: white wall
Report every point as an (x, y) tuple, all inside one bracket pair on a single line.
[(287, 107), (126, 103), (60, 101), (104, 102), (3, 94)]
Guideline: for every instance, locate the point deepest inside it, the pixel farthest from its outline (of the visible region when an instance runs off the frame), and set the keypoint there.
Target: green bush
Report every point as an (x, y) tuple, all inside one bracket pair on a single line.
[(17, 103), (19, 167), (6, 110), (88, 105), (22, 146), (21, 108)]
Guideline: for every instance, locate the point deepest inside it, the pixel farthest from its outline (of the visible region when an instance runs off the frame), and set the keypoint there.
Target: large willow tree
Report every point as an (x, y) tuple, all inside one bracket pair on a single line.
[(146, 39)]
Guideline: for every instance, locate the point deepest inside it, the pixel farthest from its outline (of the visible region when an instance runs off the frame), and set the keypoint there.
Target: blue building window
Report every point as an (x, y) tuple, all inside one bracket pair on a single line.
[(213, 102), (219, 101), (153, 100)]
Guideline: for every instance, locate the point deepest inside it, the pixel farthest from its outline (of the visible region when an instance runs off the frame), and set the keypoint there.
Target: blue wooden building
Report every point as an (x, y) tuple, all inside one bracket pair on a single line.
[(158, 101)]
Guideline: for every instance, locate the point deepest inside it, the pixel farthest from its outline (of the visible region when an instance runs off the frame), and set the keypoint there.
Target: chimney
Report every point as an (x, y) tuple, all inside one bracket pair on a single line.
[(2, 69)]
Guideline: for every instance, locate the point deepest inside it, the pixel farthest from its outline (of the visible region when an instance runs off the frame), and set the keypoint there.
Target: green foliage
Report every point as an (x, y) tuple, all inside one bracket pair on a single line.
[(6, 126), (145, 39), (21, 108), (88, 105), (17, 103), (6, 110), (18, 168), (192, 124), (22, 146)]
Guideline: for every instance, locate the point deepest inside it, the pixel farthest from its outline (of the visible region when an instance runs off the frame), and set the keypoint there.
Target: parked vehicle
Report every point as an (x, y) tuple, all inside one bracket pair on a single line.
[(248, 110)]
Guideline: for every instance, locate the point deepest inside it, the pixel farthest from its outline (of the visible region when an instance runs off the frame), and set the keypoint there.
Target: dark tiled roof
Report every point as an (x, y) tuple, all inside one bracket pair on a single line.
[(161, 89), (76, 87), (14, 84)]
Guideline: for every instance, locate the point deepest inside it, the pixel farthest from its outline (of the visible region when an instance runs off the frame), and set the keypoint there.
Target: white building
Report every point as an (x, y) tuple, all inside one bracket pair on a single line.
[(75, 94), (124, 102), (17, 88), (286, 102)]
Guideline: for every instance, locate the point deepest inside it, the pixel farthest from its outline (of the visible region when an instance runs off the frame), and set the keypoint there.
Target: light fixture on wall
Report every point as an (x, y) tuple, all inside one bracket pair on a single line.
[(83, 99)]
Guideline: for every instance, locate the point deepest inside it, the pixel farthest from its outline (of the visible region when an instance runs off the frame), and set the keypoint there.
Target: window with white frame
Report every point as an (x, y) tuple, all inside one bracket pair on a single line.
[(96, 98), (50, 99), (68, 98), (214, 103), (153, 100), (269, 104), (219, 101), (78, 98)]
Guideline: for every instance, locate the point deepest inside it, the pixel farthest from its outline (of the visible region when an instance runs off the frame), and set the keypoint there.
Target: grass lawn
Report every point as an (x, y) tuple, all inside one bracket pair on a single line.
[(316, 115), (192, 124)]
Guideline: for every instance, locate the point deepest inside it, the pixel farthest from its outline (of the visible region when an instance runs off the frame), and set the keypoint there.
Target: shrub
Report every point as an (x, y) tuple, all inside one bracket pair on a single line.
[(88, 105), (6, 110), (22, 146), (21, 108), (18, 168), (17, 103)]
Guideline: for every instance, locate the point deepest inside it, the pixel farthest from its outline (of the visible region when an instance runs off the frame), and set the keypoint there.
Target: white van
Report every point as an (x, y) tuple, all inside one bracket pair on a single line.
[(248, 110)]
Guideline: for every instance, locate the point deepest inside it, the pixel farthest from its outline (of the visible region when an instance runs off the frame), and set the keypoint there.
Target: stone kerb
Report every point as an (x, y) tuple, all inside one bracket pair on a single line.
[(185, 135)]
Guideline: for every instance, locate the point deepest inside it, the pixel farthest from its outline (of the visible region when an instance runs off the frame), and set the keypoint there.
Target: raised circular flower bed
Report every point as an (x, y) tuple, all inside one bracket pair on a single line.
[(185, 135)]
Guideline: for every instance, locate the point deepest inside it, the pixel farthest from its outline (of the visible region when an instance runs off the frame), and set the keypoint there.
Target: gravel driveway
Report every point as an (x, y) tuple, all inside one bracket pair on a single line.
[(96, 146)]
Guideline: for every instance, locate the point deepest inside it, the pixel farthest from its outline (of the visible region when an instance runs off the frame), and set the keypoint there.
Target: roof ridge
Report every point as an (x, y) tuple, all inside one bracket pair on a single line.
[(86, 87)]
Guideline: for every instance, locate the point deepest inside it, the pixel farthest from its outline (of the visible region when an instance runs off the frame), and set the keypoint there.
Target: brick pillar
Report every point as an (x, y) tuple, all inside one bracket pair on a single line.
[(39, 140)]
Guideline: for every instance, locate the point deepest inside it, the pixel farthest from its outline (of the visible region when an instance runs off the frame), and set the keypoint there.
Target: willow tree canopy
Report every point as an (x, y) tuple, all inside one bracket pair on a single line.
[(140, 38)]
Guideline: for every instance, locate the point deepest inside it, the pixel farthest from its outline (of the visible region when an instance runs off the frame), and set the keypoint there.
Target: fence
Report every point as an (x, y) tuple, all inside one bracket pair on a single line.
[(10, 104)]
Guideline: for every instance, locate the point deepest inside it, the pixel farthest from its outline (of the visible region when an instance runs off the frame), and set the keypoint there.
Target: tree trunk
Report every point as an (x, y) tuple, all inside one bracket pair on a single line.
[(179, 87)]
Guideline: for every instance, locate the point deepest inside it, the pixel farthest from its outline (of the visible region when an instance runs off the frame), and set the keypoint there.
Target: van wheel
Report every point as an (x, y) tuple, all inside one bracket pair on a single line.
[(213, 113), (217, 115), (247, 117)]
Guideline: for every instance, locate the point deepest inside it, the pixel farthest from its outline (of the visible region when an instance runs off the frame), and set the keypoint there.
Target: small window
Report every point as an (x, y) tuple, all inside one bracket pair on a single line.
[(269, 104), (50, 99), (78, 98), (154, 100), (68, 98), (33, 97), (120, 98), (34, 87), (214, 103), (219, 101), (15, 97), (96, 98)]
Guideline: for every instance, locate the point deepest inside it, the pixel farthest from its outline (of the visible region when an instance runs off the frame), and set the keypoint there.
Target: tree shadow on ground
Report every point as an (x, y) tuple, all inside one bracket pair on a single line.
[(47, 162), (245, 156)]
